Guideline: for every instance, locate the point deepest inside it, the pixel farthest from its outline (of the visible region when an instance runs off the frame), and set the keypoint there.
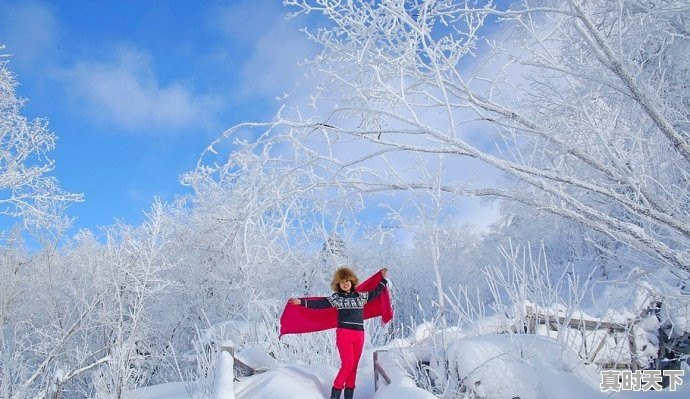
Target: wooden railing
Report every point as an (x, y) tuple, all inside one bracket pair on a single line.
[(554, 322), (624, 331), (379, 373), (239, 368)]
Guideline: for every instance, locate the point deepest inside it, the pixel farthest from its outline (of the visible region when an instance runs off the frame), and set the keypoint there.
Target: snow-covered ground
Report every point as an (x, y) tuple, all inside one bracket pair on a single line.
[(495, 366), (490, 361)]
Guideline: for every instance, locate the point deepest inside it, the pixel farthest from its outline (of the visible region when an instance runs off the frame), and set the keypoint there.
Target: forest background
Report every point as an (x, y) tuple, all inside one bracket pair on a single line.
[(568, 119)]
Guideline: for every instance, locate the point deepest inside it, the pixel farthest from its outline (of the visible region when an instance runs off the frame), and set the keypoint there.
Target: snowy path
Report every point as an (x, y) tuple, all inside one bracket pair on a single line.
[(307, 382), (284, 382), (518, 365)]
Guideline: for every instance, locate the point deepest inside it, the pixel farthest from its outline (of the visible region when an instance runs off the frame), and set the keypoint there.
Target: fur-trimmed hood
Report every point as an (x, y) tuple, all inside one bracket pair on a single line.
[(343, 273)]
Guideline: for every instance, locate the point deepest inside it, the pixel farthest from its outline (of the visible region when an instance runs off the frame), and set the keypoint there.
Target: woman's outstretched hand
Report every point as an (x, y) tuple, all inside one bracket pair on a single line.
[(295, 301), (384, 272)]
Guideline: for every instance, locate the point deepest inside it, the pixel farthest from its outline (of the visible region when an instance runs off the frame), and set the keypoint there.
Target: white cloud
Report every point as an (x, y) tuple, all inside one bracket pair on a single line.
[(274, 47), (28, 31), (126, 92), (273, 67), (241, 20)]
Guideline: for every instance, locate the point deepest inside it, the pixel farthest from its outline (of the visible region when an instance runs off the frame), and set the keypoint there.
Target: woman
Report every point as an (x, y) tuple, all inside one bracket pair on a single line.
[(349, 335)]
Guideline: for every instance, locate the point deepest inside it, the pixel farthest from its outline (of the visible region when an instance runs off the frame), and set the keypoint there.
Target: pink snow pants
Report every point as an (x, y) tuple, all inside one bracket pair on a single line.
[(350, 344)]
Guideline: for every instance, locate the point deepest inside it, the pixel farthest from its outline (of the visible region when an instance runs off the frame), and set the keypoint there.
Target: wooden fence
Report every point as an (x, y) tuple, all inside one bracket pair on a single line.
[(239, 368), (380, 375), (616, 331), (553, 323)]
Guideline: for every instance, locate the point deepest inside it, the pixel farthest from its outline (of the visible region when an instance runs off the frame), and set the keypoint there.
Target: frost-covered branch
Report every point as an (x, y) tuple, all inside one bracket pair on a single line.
[(26, 190), (581, 104)]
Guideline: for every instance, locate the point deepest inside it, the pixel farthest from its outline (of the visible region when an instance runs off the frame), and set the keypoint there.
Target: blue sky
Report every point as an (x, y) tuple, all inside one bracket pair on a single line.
[(135, 90)]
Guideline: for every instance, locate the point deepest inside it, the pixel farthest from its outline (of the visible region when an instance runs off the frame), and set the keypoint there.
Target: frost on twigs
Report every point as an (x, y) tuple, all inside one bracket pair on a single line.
[(27, 192)]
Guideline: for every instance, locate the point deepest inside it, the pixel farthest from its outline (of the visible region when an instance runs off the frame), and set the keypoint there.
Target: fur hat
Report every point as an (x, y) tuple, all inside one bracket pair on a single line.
[(343, 273)]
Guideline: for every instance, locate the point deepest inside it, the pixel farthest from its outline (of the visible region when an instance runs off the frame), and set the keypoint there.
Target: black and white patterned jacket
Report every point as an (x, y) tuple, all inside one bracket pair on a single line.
[(350, 305)]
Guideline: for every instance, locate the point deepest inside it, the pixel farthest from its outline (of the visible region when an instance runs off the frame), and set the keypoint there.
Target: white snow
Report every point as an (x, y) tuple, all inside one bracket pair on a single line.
[(287, 382), (491, 361), (172, 390), (494, 366), (223, 388), (682, 391), (525, 366)]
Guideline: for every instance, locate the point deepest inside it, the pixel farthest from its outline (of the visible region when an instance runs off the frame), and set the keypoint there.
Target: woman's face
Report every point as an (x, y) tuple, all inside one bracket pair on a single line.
[(345, 285)]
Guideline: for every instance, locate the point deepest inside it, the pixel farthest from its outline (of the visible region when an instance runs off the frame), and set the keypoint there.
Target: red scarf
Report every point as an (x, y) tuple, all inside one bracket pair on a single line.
[(298, 319)]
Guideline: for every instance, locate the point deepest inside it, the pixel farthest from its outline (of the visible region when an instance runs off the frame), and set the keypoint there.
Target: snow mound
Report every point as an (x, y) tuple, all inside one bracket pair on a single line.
[(171, 390), (290, 382), (525, 366), (257, 358)]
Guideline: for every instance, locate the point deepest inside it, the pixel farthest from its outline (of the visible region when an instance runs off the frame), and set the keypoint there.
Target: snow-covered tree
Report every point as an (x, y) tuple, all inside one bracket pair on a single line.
[(582, 105), (27, 191)]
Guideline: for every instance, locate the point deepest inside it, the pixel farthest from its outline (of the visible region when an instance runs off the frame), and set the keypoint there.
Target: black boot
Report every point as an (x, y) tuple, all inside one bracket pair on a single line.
[(349, 393), (335, 393)]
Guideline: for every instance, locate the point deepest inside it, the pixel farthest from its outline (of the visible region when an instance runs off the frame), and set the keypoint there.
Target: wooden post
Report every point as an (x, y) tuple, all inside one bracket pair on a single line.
[(633, 348), (56, 394), (583, 334), (379, 371), (532, 324), (376, 371), (597, 348), (228, 347), (223, 387)]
